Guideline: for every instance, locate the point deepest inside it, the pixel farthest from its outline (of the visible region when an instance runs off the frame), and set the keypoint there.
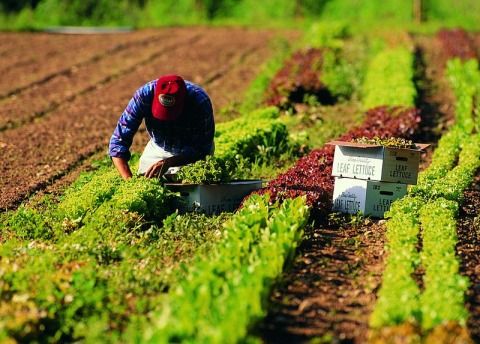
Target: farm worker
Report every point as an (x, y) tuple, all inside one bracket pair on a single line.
[(179, 119)]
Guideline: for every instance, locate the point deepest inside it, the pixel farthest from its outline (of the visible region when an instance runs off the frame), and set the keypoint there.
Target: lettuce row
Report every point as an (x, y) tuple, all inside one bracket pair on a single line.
[(48, 219), (443, 297), (398, 297), (464, 78), (443, 160), (135, 202), (389, 79), (437, 196), (224, 291), (460, 177)]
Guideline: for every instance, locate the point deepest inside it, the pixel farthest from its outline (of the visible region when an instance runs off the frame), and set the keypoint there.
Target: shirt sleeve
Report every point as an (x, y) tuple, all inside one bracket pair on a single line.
[(128, 124), (204, 133)]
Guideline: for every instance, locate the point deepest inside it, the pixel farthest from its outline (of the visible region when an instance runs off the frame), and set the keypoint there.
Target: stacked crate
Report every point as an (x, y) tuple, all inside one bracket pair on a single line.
[(368, 178)]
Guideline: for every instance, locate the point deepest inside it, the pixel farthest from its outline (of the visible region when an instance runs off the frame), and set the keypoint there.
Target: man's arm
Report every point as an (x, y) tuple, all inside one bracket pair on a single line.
[(127, 126), (122, 166)]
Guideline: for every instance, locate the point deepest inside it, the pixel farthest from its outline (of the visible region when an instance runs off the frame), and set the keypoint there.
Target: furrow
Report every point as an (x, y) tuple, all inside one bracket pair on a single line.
[(62, 60), (77, 81)]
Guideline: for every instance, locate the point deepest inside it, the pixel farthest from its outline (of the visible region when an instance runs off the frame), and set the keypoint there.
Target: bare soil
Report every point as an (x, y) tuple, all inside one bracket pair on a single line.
[(33, 58), (83, 100), (436, 100), (468, 230), (331, 288), (65, 85)]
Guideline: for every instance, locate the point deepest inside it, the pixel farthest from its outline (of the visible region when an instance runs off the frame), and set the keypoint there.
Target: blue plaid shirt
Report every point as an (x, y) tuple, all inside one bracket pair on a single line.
[(190, 136)]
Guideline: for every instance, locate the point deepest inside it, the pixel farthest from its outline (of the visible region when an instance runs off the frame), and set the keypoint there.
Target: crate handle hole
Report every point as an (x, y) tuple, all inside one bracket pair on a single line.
[(386, 193), (401, 158)]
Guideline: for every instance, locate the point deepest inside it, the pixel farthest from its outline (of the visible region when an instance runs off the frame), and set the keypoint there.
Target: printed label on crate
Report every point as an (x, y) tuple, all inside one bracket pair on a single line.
[(347, 202), (382, 205), (401, 171), (357, 166), (381, 195), (216, 205)]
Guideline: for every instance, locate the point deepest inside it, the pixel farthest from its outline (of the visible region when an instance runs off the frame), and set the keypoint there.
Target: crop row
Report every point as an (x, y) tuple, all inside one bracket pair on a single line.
[(319, 71), (389, 79), (457, 43), (430, 209), (81, 270), (236, 141), (114, 280), (224, 290), (300, 75)]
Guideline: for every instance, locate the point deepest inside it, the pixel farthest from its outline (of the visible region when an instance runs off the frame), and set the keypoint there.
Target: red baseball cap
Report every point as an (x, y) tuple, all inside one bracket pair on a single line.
[(169, 97)]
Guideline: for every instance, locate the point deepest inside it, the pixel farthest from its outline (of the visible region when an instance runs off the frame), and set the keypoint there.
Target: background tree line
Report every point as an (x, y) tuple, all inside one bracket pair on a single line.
[(18, 14)]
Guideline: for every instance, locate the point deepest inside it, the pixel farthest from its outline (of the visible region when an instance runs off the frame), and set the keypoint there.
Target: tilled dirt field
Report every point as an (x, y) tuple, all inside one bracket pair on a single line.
[(61, 95)]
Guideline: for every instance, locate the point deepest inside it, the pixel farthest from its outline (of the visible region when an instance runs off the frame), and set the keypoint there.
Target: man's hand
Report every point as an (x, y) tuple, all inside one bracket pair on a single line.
[(158, 169)]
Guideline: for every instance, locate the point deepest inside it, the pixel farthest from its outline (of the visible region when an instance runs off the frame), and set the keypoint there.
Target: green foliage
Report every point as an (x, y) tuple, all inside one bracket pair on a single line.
[(88, 299), (256, 137), (398, 298), (340, 76), (453, 13), (80, 12), (326, 34), (454, 183), (224, 290), (135, 203), (365, 11), (443, 161), (17, 5), (251, 11), (210, 170), (344, 66), (443, 298), (80, 198), (464, 78), (48, 220), (29, 223), (395, 142), (171, 12), (389, 79), (28, 14)]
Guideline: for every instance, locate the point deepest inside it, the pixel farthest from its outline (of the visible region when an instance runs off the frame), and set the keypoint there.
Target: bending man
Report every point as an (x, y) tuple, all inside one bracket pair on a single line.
[(179, 120)]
